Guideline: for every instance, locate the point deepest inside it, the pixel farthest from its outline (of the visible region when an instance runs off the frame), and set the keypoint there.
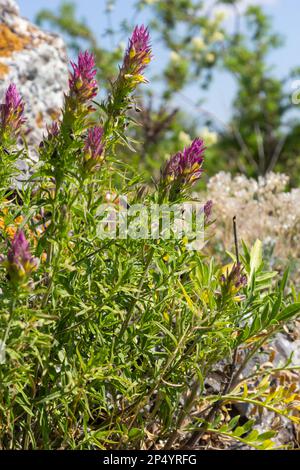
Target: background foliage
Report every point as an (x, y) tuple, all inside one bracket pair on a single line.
[(198, 41)]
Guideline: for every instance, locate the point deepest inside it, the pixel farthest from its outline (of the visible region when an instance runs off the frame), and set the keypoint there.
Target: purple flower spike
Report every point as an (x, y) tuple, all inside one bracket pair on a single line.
[(138, 54), (186, 167), (207, 209), (12, 111), (52, 132), (94, 147), (82, 81), (20, 263)]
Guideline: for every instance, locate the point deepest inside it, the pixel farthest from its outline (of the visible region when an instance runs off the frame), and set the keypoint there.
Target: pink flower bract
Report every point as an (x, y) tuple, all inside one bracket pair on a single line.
[(138, 53), (186, 166), (208, 209), (235, 278)]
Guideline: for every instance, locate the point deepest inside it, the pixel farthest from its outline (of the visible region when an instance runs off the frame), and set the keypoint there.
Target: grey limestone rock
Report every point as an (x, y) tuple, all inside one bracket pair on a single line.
[(36, 62)]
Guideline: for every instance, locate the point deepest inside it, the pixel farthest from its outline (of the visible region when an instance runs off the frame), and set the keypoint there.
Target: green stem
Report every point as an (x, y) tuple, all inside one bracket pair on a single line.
[(55, 270), (145, 399), (136, 298), (141, 284)]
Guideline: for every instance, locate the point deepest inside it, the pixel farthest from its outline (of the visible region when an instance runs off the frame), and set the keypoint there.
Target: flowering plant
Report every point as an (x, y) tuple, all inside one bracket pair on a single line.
[(114, 342), (12, 116), (20, 263)]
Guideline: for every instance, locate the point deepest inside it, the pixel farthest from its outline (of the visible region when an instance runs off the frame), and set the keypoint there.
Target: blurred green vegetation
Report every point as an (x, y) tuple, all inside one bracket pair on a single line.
[(261, 135)]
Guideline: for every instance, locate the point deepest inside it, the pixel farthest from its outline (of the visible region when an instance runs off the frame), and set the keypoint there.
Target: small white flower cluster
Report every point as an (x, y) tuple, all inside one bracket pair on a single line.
[(198, 43), (175, 57), (204, 46), (210, 137)]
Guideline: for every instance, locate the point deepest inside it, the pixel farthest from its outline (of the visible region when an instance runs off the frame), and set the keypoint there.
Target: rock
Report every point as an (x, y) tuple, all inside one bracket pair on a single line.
[(9, 7), (37, 63)]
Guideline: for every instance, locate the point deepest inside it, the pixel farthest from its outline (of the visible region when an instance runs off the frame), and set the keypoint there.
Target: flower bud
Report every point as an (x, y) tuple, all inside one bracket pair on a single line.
[(185, 167), (12, 112), (94, 148)]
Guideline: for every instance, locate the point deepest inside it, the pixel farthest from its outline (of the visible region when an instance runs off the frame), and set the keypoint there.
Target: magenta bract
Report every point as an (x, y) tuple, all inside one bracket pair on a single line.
[(20, 263), (234, 278), (186, 166), (94, 147)]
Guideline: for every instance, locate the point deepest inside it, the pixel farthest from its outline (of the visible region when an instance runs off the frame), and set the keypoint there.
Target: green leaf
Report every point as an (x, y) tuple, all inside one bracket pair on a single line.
[(232, 424), (268, 444), (276, 306), (246, 253), (248, 425), (239, 431)]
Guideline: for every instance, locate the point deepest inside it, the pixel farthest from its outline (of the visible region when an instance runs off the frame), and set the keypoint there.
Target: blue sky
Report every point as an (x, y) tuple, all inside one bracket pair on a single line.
[(285, 14)]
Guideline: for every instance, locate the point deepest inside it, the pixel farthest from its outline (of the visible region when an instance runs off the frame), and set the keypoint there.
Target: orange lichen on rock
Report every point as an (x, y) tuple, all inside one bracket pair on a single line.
[(4, 69), (10, 42)]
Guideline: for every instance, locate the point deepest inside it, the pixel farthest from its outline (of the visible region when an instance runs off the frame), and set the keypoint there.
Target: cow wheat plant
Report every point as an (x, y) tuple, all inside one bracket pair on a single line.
[(110, 343)]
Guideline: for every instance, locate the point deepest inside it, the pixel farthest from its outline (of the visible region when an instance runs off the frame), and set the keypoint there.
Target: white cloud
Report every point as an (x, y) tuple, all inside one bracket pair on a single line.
[(242, 5)]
